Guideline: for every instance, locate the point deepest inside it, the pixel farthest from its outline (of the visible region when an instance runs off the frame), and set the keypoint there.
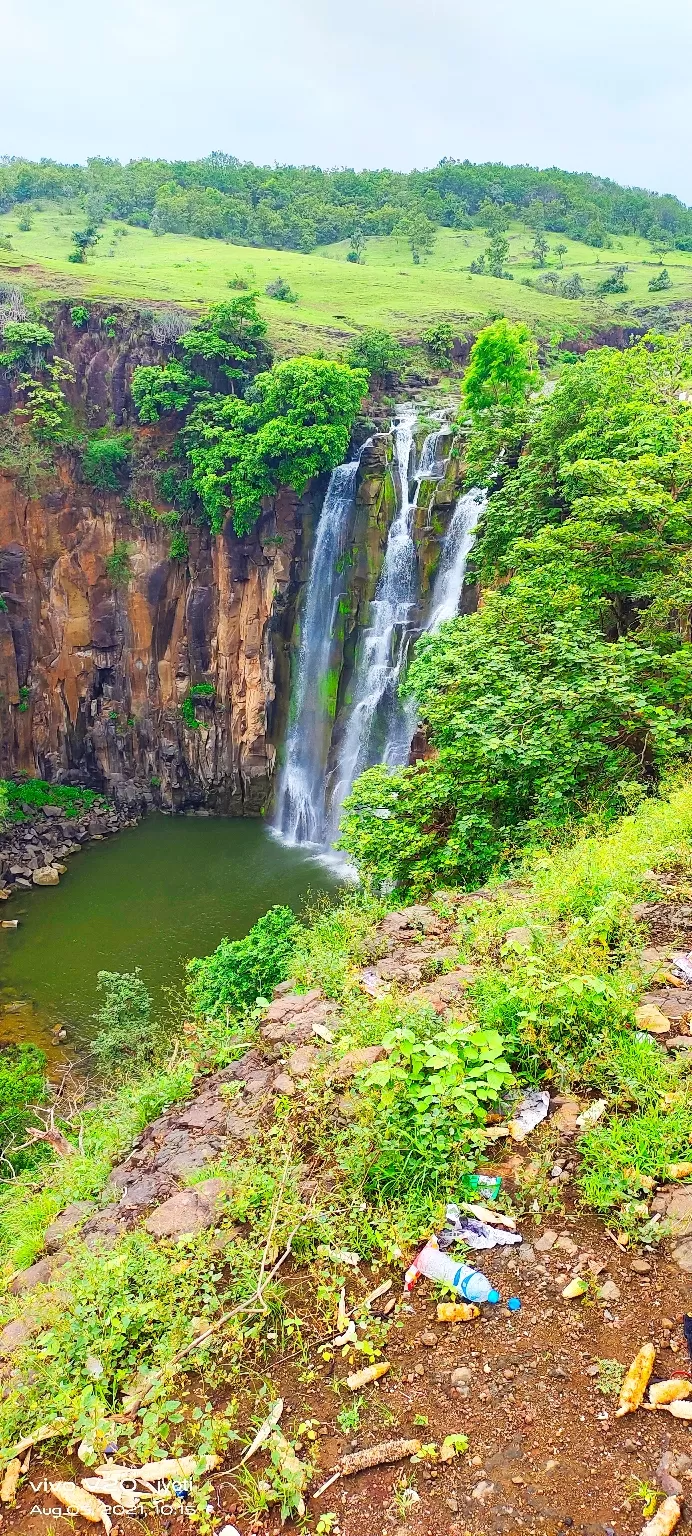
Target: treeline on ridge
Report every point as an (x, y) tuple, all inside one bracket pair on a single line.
[(299, 207)]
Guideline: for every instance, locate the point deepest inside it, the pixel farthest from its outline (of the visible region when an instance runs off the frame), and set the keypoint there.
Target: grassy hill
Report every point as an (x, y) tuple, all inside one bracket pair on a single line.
[(337, 297)]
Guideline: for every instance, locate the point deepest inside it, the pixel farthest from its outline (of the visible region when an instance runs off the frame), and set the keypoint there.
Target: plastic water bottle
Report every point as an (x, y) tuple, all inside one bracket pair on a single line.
[(470, 1283)]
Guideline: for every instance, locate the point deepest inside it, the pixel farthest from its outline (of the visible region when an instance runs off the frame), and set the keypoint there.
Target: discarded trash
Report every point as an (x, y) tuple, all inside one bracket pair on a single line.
[(128, 1498), (636, 1381), (472, 1230), (683, 961), (679, 1170), (663, 1392), (349, 1336), (323, 1033), (84, 1503), (370, 1373), (483, 1184), (264, 1431), (378, 1455), (514, 1304), (229, 1530), (493, 1218), (687, 1332), (574, 1289), (375, 1295), (456, 1312), (173, 1466), (46, 1432), (588, 1117), (533, 1108), (679, 1410), (650, 1018), (10, 1480), (469, 1282), (665, 1519)]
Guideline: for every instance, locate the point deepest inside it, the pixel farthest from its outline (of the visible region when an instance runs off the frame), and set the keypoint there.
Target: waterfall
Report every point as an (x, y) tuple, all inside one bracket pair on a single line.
[(377, 729), (300, 813), (449, 578)]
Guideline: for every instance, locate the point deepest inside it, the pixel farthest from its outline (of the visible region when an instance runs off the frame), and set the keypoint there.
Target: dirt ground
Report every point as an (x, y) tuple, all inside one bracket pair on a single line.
[(546, 1453)]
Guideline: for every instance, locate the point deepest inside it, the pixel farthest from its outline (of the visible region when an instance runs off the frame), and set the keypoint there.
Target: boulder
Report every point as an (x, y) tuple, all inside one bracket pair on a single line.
[(68, 1221), (679, 1213), (356, 1061), (15, 1334), (189, 1212), (36, 1274), (49, 875), (290, 1004)]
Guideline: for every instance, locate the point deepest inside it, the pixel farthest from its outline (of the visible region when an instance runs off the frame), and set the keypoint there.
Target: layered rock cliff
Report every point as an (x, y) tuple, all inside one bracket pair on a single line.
[(93, 675)]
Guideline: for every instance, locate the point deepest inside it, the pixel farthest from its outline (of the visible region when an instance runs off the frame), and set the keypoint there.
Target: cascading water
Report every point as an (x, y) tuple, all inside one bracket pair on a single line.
[(449, 578), (377, 729), (300, 813)]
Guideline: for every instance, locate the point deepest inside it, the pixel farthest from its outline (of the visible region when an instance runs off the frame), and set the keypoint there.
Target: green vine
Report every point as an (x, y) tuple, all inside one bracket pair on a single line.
[(187, 709)]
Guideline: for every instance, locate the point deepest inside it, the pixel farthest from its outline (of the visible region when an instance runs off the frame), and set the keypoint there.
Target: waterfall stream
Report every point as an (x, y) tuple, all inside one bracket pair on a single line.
[(379, 726), (300, 812)]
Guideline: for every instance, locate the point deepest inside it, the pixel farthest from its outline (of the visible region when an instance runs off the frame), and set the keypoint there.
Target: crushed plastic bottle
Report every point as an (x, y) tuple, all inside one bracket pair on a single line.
[(529, 1113), (470, 1283), (483, 1184)]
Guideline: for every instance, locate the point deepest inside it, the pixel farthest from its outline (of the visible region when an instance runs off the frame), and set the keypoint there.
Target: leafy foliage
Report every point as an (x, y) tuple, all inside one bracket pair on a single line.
[(105, 461), (297, 424), (127, 1037), (158, 391), (241, 970), (196, 691), (379, 352), (501, 369), (22, 1084)]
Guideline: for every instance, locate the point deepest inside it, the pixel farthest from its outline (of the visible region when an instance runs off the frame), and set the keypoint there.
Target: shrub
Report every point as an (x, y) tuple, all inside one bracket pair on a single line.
[(194, 692), (119, 564), (659, 283), (79, 316), (241, 970), (438, 341), (22, 1083), (158, 391), (280, 289), (615, 283), (238, 281), (127, 1037), (379, 352), (179, 547), (105, 461), (573, 287)]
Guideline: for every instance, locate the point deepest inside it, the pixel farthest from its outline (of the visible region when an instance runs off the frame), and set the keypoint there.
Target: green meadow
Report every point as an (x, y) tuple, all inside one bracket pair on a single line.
[(336, 297)]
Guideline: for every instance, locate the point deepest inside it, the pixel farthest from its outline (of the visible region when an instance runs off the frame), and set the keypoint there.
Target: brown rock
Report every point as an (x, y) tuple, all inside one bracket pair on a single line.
[(284, 1084), (547, 1241), (679, 1213), (49, 875), (15, 1334), (356, 1061), (649, 1017), (683, 1256), (188, 1212), (67, 1222), (303, 1063), (292, 1003), (36, 1274)]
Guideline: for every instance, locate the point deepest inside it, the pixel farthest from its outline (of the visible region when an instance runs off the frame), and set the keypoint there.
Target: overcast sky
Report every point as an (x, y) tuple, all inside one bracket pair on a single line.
[(600, 85)]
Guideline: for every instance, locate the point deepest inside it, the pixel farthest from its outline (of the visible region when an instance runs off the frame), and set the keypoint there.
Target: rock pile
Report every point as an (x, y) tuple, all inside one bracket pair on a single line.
[(32, 851)]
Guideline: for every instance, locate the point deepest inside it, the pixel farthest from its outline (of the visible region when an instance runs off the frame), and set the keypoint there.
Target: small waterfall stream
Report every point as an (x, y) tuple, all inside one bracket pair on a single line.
[(379, 725), (300, 811)]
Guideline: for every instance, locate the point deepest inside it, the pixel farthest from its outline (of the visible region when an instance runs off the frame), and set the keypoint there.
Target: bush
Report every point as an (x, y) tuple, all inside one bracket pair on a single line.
[(615, 283), (22, 1083), (438, 341), (105, 461), (661, 282), (127, 1038), (280, 289), (79, 316), (195, 691), (159, 391), (379, 352), (179, 547), (241, 970), (119, 564)]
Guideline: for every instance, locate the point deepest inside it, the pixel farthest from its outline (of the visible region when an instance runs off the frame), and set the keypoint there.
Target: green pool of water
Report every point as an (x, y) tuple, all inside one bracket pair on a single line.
[(152, 896)]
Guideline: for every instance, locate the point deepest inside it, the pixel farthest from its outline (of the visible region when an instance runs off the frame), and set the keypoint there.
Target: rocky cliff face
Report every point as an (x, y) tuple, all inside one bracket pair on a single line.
[(93, 675)]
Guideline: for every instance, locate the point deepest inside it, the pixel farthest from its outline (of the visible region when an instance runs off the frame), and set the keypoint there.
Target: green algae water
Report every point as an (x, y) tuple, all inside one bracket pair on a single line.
[(152, 896)]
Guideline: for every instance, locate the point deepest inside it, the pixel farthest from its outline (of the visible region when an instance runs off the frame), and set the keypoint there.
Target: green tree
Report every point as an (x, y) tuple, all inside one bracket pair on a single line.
[(573, 287), (297, 425), (158, 391), (438, 341), (416, 227), (502, 368), (539, 254), (127, 1038), (357, 246), (379, 352), (615, 283), (83, 240), (659, 283), (494, 217), (496, 255), (561, 252)]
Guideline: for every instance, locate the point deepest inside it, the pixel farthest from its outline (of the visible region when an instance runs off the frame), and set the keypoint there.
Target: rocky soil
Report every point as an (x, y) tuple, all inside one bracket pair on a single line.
[(546, 1453)]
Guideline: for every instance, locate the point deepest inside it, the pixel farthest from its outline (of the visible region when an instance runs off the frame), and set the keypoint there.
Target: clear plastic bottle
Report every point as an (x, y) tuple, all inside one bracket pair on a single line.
[(470, 1283)]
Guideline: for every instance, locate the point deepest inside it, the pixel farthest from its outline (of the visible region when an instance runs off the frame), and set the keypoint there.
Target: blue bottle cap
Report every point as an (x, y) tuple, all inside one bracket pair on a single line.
[(514, 1304), (493, 1297)]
